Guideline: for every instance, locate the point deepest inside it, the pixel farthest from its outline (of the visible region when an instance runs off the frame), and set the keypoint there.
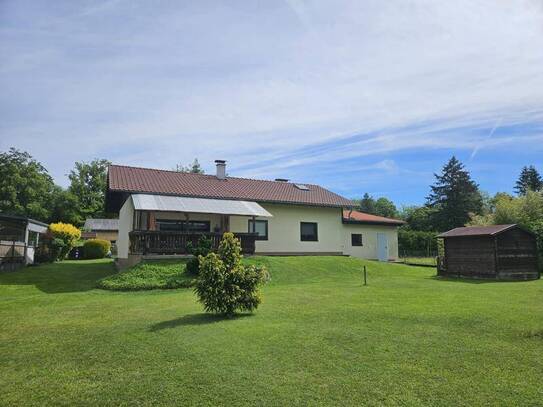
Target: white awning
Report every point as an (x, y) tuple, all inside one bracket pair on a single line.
[(146, 202)]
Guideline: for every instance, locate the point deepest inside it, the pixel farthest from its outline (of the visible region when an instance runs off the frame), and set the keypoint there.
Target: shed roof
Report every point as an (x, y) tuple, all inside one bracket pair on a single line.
[(23, 218), (101, 224), (366, 218), (162, 182), (197, 205), (491, 230)]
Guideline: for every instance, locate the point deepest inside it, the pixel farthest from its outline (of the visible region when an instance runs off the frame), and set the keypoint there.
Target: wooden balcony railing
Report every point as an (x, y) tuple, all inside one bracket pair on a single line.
[(162, 242)]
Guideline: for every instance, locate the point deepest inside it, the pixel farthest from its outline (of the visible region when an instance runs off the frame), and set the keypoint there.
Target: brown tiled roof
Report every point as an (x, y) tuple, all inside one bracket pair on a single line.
[(361, 217), (146, 180), (477, 231)]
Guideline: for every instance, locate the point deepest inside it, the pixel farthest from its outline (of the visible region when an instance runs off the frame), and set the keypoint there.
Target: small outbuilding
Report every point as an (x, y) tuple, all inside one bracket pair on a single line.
[(19, 239), (501, 252), (107, 229)]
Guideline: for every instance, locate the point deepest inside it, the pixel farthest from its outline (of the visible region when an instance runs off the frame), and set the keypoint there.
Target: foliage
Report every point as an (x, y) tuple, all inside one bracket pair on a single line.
[(419, 218), (367, 204), (27, 189), (380, 207), (25, 186), (224, 285), (88, 183), (57, 249), (454, 196), (68, 234), (148, 276), (203, 248), (194, 168), (385, 207), (64, 207), (525, 210), (416, 243), (96, 248), (410, 332), (529, 180)]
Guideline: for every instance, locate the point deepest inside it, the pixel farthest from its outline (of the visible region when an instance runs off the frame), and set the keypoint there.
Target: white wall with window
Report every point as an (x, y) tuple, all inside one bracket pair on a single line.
[(363, 241), (295, 229)]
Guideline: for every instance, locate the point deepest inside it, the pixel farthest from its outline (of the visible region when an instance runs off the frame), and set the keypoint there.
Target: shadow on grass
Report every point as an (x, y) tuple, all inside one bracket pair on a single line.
[(467, 280), (195, 319), (62, 277)]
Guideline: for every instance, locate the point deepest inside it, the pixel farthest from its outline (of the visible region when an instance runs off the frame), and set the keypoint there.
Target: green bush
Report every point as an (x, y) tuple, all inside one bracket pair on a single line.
[(96, 248), (69, 235), (57, 249), (224, 285), (149, 276), (417, 243), (203, 248), (193, 266)]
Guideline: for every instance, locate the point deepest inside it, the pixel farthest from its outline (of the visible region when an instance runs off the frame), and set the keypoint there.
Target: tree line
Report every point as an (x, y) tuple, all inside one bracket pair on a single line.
[(27, 189), (455, 200)]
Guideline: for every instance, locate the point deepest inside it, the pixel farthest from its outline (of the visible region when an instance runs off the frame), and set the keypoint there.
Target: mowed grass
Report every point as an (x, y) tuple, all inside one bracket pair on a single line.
[(420, 261), (148, 276), (320, 337)]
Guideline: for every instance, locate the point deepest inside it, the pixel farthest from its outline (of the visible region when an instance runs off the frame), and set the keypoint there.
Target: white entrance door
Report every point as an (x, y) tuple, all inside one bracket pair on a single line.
[(382, 247)]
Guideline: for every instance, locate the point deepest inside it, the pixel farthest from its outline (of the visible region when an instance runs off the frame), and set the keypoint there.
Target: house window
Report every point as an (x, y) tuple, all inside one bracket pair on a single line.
[(260, 227), (309, 232), (192, 226), (356, 239)]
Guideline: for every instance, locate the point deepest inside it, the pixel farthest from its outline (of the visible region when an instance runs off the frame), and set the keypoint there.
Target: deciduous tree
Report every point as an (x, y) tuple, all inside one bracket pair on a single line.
[(88, 182), (25, 186)]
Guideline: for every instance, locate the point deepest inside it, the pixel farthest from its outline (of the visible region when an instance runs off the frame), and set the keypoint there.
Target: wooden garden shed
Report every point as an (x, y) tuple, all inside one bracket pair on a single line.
[(501, 252)]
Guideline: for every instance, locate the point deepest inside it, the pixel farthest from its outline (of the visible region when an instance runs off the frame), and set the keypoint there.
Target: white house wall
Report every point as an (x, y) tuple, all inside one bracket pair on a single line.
[(368, 250), (284, 230), (334, 237), (126, 217)]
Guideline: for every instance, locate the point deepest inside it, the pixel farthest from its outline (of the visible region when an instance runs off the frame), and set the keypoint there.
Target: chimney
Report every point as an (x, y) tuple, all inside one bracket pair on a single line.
[(221, 169)]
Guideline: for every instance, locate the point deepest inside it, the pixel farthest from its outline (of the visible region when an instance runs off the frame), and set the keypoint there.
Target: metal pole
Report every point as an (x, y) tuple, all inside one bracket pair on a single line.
[(365, 279)]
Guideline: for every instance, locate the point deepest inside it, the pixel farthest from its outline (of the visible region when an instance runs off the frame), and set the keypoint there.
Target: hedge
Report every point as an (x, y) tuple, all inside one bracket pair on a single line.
[(96, 248)]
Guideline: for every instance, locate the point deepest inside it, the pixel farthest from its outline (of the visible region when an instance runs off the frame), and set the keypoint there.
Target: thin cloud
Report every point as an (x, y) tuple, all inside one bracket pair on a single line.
[(480, 145), (270, 86)]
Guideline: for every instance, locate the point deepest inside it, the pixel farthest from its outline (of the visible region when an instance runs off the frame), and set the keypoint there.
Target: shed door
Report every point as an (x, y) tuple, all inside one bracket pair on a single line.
[(382, 247)]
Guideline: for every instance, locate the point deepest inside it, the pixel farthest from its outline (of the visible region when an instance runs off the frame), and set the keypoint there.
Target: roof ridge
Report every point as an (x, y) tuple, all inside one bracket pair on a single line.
[(211, 175)]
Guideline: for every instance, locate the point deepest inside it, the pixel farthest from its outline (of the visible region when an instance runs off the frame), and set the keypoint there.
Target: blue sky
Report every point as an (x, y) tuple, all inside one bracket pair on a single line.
[(354, 95)]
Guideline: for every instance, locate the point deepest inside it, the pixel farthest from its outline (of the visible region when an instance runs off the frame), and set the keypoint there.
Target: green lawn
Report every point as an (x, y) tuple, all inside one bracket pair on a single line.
[(320, 337), (149, 276), (420, 261)]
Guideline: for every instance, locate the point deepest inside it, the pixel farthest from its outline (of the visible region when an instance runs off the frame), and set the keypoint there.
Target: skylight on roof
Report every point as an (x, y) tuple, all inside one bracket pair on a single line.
[(302, 187)]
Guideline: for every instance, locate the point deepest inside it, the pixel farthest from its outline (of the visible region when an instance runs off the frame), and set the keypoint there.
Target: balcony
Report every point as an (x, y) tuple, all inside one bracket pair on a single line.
[(169, 242)]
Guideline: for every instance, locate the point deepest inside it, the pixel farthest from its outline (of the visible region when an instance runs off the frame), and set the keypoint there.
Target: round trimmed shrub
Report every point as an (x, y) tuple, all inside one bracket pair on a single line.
[(69, 235), (96, 248)]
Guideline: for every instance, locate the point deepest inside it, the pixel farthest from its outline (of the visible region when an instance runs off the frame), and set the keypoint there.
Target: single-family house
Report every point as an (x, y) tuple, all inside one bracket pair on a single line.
[(160, 211)]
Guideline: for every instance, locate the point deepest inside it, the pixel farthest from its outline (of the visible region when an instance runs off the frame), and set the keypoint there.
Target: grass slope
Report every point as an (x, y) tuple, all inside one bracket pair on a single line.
[(319, 337), (420, 261), (148, 276)]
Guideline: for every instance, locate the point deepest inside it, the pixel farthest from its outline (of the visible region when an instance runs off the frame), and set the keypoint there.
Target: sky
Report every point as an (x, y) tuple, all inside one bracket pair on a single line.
[(357, 96)]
